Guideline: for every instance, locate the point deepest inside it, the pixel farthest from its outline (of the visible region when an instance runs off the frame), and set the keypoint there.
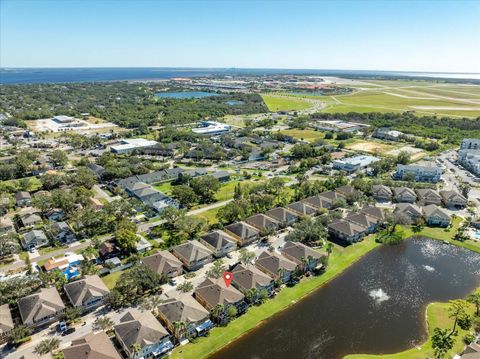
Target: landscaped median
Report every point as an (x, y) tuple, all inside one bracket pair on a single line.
[(340, 259), (437, 316)]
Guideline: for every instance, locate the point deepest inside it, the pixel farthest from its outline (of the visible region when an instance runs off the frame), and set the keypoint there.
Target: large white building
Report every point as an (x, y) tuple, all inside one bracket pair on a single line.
[(352, 164), (212, 128), (420, 173), (131, 144)]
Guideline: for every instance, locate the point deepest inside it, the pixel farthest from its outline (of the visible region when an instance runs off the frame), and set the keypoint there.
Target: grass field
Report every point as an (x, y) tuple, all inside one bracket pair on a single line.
[(374, 147), (340, 259), (307, 135), (210, 216), (285, 103), (111, 279), (423, 97)]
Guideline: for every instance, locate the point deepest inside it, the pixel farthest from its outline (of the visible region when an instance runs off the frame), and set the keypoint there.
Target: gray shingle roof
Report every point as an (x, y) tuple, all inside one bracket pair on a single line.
[(272, 262), (215, 291), (248, 276), (162, 262), (299, 250), (192, 251), (183, 309), (80, 291), (46, 302), (218, 239), (92, 346), (6, 321)]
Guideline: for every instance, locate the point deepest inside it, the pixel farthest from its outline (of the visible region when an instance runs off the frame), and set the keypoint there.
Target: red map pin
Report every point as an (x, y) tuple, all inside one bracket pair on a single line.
[(227, 277)]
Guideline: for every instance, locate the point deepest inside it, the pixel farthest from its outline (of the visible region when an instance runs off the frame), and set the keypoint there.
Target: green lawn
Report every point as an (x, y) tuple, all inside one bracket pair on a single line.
[(165, 187), (437, 316), (111, 279), (340, 259), (307, 135), (210, 215), (285, 103), (47, 250)]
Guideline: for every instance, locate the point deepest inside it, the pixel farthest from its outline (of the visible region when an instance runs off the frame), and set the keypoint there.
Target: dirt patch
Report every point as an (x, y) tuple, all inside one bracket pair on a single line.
[(371, 147)]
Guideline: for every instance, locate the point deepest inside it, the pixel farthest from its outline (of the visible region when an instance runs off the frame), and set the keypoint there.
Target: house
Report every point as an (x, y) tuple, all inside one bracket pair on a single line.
[(247, 277), (30, 219), (428, 196), (353, 164), (307, 258), (332, 196), (347, 191), (62, 232), (23, 198), (142, 245), (56, 214), (34, 239), (374, 212), (142, 329), (192, 254), (164, 263), (282, 215), (382, 193), (363, 220), (91, 346), (436, 216), (222, 176), (346, 231), (472, 351), (318, 202), (302, 208), (6, 322), (404, 195), (87, 293), (96, 169), (453, 199), (276, 266), (263, 222), (96, 203), (187, 310), (41, 308), (419, 173), (213, 292), (6, 224), (411, 212), (68, 264), (243, 233), (108, 249), (219, 242)]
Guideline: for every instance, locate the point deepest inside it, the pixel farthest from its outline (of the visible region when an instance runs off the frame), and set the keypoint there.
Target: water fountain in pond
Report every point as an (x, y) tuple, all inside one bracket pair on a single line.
[(379, 295)]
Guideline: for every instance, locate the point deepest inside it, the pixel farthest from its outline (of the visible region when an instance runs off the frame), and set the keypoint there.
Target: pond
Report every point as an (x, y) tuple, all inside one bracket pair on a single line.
[(185, 94), (377, 306)]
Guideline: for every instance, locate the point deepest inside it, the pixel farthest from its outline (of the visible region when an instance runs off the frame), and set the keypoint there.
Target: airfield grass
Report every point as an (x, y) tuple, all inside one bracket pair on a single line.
[(340, 259), (285, 103)]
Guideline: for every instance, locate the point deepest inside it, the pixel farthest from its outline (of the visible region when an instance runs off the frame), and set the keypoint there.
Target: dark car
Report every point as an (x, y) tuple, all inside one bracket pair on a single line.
[(68, 331)]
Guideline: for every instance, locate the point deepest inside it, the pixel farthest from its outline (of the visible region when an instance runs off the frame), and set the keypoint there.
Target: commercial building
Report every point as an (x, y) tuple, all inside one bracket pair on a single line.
[(211, 128), (419, 173), (132, 144), (352, 164)]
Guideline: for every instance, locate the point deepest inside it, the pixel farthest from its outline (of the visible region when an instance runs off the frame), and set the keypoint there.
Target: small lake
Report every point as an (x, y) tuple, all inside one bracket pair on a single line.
[(185, 94), (377, 306)]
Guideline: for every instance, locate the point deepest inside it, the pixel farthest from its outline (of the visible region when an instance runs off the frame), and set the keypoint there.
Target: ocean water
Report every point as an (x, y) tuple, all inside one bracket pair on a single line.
[(59, 75)]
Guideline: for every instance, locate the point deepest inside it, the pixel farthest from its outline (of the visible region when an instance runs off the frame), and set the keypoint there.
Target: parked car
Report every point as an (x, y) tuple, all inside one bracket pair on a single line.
[(68, 331)]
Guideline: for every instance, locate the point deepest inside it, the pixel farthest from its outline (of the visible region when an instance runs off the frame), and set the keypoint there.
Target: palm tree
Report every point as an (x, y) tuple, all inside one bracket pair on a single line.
[(217, 312), (329, 248), (251, 295), (47, 346), (474, 298), (151, 303), (136, 348), (180, 328)]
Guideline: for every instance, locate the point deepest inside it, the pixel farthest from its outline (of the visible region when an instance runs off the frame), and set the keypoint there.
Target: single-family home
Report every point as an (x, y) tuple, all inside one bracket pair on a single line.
[(428, 196), (404, 195), (192, 254), (263, 222), (213, 292), (411, 212), (436, 216), (6, 224), (142, 245), (375, 212), (87, 293), (282, 215), (108, 249), (369, 223), (243, 233), (302, 208), (56, 214), (307, 258), (346, 231), (347, 191), (453, 199), (41, 308), (91, 346), (382, 193), (30, 220), (164, 263), (247, 277), (276, 266), (318, 202), (62, 232), (219, 242), (23, 198), (185, 309), (68, 264), (222, 176), (34, 239), (142, 329), (6, 322), (332, 196)]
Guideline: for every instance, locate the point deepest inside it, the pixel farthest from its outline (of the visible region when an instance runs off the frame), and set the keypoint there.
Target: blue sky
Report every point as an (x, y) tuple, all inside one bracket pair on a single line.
[(370, 35)]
